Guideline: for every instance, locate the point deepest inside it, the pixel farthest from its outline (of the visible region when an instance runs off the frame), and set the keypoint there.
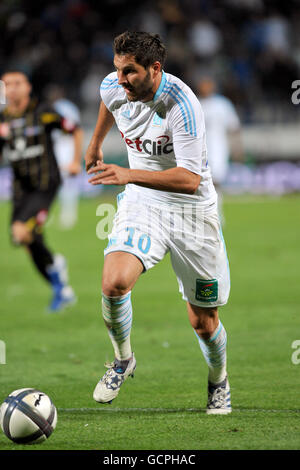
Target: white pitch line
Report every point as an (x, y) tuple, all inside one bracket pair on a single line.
[(103, 409)]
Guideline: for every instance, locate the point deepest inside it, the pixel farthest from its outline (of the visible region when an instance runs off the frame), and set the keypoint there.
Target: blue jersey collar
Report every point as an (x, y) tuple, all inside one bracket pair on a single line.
[(161, 86)]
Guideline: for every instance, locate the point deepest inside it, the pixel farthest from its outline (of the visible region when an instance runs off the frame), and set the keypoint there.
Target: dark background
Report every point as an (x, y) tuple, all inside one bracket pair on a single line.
[(252, 47)]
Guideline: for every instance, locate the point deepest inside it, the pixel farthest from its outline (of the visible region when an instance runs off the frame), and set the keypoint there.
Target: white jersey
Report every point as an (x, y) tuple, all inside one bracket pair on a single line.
[(163, 133), (220, 118)]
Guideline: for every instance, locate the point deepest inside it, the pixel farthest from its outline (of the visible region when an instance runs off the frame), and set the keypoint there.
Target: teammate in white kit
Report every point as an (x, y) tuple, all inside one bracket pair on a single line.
[(68, 152), (169, 205), (223, 133)]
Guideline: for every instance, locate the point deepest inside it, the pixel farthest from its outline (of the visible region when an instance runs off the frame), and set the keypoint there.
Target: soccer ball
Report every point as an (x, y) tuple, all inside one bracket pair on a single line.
[(28, 416)]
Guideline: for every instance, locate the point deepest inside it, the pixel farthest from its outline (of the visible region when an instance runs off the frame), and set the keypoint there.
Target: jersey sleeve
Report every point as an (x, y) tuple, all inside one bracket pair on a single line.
[(51, 119), (68, 110), (187, 126), (108, 89)]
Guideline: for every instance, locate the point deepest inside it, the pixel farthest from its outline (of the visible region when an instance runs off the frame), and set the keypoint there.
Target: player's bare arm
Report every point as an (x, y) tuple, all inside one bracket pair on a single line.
[(177, 180), (104, 123)]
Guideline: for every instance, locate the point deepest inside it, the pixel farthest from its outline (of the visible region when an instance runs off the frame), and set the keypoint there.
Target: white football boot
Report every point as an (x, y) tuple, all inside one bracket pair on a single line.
[(109, 386), (219, 401)]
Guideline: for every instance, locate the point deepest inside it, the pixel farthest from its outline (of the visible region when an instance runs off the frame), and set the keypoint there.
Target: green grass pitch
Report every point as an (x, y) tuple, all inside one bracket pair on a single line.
[(163, 406)]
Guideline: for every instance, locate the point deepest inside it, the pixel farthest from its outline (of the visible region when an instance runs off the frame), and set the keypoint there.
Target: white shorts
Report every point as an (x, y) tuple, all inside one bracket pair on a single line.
[(193, 237)]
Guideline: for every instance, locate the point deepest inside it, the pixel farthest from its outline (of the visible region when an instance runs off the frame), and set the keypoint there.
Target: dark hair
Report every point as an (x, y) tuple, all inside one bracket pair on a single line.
[(146, 48), (17, 70)]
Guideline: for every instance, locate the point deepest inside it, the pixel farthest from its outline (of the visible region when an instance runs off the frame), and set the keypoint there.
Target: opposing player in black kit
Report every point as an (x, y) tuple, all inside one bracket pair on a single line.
[(25, 138)]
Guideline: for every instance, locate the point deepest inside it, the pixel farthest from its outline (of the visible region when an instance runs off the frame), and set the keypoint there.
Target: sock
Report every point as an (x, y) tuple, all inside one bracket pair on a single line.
[(40, 255), (214, 352), (58, 273), (117, 314)]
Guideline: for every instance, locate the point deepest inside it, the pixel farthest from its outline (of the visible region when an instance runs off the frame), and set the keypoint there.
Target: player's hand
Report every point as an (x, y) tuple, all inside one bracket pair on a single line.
[(74, 168), (109, 174), (92, 156)]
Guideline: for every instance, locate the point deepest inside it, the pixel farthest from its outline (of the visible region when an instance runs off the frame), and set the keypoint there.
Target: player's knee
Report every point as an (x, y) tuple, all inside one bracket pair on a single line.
[(115, 285), (21, 235), (204, 320)]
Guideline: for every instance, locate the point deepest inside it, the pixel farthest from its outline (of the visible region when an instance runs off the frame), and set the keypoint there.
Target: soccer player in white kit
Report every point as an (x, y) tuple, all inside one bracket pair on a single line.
[(68, 152), (67, 149), (223, 133), (169, 205)]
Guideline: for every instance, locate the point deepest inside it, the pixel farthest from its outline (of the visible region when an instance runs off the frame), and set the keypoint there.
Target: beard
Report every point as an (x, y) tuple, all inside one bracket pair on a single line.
[(142, 91)]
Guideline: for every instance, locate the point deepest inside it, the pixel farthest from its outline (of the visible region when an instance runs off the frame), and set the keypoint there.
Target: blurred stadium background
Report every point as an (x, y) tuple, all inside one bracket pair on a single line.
[(251, 47)]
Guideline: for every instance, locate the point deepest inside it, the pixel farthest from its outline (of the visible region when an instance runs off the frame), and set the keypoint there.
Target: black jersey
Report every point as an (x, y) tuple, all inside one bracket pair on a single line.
[(29, 147)]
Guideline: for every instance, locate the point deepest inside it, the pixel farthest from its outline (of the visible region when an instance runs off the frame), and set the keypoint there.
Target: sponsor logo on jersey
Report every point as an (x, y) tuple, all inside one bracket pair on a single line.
[(160, 146), (20, 152)]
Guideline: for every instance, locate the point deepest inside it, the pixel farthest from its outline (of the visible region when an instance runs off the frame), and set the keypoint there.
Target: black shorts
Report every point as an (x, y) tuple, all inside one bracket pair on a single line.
[(32, 207)]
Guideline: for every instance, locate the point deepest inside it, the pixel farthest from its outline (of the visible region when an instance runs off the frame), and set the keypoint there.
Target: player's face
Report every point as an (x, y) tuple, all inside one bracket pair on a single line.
[(206, 87), (139, 83), (17, 87)]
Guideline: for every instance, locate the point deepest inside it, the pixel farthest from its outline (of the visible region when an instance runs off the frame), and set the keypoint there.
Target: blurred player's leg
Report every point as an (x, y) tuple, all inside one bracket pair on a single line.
[(34, 242), (52, 267), (68, 202), (40, 254), (63, 294), (121, 270)]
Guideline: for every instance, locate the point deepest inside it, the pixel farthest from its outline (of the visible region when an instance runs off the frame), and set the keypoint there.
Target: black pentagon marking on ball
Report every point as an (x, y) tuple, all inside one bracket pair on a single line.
[(43, 424)]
